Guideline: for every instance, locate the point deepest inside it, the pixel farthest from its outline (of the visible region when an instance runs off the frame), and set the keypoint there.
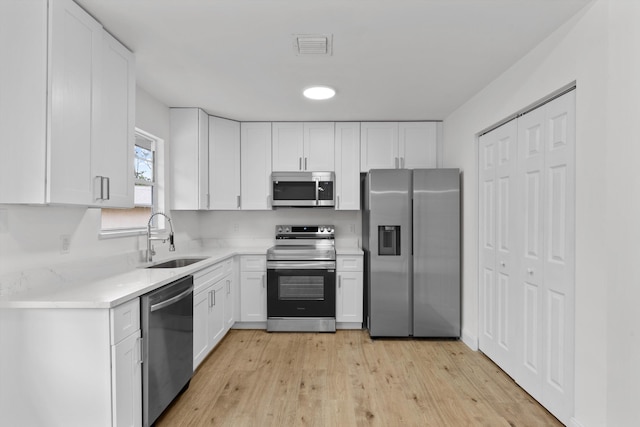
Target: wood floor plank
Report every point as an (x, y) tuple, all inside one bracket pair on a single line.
[(255, 378)]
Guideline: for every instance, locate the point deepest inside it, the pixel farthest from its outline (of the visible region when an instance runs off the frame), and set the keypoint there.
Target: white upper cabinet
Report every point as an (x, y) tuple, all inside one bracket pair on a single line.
[(318, 147), (255, 166), (417, 145), (224, 164), (393, 145), (112, 158), (303, 146), (189, 155), (63, 121), (378, 145), (347, 162)]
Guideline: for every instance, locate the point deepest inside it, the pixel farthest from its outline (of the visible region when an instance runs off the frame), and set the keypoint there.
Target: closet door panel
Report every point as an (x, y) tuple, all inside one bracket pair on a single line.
[(559, 250), (530, 275)]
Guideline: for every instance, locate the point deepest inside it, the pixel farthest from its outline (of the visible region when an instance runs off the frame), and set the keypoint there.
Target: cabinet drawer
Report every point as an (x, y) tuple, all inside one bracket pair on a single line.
[(228, 266), (208, 275), (125, 320), (253, 263), (349, 263)]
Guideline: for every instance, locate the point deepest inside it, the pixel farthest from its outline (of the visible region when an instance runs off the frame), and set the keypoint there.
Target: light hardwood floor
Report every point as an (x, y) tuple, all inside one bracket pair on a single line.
[(255, 378)]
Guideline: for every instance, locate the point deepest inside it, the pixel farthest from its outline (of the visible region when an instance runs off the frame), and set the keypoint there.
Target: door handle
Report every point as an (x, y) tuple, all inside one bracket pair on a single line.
[(238, 201), (171, 300), (299, 163), (305, 163)]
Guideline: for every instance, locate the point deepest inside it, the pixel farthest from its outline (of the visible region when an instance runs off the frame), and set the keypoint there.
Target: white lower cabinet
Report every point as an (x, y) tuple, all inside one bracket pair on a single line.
[(126, 379), (253, 288), (349, 291), (212, 308), (126, 357), (71, 366)]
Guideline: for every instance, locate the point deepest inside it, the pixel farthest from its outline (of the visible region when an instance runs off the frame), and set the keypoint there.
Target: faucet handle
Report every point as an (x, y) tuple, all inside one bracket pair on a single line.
[(172, 247)]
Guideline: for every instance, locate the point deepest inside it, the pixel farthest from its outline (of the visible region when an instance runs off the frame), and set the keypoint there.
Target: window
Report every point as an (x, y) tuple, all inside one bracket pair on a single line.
[(147, 151)]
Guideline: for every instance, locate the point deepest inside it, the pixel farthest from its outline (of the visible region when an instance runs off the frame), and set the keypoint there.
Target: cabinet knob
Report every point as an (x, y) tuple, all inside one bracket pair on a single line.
[(530, 271)]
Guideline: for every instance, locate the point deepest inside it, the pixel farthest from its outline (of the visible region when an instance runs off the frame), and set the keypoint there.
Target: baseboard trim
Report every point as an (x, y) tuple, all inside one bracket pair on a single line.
[(470, 340)]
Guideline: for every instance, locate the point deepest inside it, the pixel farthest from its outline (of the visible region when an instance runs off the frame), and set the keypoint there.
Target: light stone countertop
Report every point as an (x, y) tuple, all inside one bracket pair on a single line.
[(114, 290), (117, 289)]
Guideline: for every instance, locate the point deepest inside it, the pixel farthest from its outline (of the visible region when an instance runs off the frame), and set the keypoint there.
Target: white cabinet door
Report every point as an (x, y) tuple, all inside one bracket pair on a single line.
[(229, 302), (75, 41), (255, 166), (112, 149), (200, 326), (224, 164), (347, 163), (378, 145), (189, 156), (253, 298), (217, 296), (23, 101), (287, 146), (349, 297), (127, 381), (417, 145), (318, 147)]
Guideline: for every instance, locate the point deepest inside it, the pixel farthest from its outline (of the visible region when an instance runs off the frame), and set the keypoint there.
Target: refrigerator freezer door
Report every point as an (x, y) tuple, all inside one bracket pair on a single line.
[(389, 212), (436, 248)]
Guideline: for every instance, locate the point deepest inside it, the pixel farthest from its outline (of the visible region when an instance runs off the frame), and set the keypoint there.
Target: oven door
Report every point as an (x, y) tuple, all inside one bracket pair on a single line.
[(301, 289)]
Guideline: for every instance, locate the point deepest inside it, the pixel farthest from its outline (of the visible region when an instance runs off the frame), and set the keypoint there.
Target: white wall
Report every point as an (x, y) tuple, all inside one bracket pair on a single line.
[(599, 49)]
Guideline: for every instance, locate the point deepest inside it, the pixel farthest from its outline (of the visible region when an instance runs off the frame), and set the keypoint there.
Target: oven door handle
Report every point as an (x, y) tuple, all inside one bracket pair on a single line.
[(301, 265)]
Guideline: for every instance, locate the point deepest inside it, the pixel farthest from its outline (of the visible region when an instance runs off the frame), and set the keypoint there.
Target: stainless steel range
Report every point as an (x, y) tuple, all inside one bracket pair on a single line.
[(301, 279)]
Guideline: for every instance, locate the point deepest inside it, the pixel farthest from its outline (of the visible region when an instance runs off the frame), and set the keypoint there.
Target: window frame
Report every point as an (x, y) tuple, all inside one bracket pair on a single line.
[(158, 196)]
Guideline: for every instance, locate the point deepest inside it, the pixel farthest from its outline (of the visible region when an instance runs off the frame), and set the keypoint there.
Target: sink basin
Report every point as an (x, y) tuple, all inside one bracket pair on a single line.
[(177, 263)]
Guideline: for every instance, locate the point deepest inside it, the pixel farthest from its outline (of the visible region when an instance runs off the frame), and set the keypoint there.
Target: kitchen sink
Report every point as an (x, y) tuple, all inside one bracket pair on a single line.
[(177, 263)]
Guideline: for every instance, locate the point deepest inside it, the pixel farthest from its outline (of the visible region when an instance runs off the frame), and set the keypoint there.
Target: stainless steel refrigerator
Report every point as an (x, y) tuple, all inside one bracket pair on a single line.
[(411, 241)]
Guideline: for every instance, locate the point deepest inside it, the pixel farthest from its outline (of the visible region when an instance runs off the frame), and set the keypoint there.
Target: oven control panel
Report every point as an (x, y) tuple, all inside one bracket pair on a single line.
[(305, 232)]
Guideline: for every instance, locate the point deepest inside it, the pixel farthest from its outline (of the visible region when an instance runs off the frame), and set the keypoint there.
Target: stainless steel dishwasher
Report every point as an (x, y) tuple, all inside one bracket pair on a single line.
[(167, 346)]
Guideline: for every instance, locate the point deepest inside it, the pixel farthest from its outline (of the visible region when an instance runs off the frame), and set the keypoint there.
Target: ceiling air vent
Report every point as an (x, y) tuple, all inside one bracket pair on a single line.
[(312, 44)]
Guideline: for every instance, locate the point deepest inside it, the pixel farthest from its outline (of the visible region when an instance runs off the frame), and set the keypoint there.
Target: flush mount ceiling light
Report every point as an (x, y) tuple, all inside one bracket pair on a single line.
[(319, 92)]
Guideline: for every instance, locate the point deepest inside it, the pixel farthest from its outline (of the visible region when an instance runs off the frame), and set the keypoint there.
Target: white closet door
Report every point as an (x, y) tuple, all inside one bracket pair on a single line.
[(498, 150), (559, 261), (546, 164), (531, 169)]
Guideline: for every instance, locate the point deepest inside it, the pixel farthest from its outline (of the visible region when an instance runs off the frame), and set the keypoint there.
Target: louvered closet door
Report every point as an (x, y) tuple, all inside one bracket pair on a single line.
[(498, 310), (546, 155)]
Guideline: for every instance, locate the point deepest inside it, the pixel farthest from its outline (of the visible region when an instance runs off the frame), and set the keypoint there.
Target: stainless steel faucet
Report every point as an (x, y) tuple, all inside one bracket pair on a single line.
[(157, 236)]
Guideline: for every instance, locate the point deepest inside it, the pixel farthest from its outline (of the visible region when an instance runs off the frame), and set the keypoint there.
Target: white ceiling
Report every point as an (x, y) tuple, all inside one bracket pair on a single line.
[(392, 59)]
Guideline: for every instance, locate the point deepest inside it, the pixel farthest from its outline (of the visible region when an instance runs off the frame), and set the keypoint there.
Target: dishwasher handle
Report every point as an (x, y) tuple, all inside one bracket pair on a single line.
[(172, 300)]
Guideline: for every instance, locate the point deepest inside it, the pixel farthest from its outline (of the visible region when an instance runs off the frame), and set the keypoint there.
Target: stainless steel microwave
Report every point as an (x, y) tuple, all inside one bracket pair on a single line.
[(303, 189)]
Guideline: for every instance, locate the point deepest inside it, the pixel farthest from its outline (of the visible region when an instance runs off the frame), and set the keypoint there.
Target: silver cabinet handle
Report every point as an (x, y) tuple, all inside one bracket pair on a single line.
[(228, 287), (339, 281), (214, 297), (263, 281), (305, 163), (139, 345), (299, 163), (238, 201), (338, 202), (530, 271), (401, 162), (108, 181), (504, 264)]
